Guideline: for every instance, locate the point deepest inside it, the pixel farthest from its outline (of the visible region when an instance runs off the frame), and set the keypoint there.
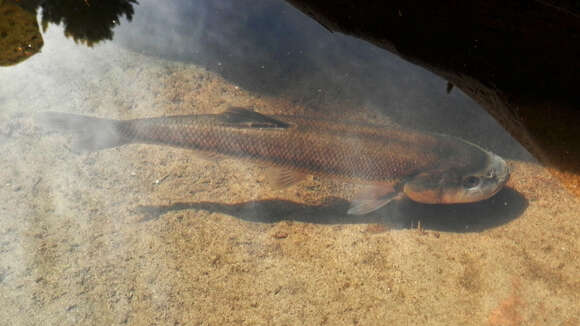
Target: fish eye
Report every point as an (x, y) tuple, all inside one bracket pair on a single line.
[(471, 182)]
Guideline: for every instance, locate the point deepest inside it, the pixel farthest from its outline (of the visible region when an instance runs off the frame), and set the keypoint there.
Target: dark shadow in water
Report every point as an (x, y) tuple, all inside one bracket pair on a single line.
[(501, 209)]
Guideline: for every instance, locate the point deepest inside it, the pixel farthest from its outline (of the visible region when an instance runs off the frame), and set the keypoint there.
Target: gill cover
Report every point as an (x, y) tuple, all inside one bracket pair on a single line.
[(453, 186), (433, 187)]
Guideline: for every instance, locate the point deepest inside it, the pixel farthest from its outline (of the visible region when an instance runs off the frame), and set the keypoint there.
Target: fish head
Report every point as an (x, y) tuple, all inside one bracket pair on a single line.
[(454, 185)]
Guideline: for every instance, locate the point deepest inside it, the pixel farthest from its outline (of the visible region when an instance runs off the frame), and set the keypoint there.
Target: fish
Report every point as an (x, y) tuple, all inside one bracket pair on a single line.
[(392, 162)]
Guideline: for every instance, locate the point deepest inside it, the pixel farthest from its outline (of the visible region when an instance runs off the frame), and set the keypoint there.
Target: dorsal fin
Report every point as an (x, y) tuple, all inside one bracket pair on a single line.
[(244, 118)]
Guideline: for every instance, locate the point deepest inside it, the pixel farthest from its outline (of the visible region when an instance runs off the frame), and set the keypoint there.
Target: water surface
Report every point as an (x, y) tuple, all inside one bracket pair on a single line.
[(147, 234)]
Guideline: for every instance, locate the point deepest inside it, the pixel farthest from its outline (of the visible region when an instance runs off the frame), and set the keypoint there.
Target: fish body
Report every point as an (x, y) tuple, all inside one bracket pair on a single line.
[(393, 161)]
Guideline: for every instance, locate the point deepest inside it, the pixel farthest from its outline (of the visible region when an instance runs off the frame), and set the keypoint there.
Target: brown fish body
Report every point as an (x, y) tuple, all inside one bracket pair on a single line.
[(429, 168), (371, 154)]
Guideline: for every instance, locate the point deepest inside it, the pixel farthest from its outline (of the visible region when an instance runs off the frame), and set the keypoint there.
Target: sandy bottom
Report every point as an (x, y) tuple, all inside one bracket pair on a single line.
[(151, 235)]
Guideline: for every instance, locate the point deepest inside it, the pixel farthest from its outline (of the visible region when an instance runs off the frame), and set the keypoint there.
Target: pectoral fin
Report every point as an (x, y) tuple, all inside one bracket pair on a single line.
[(372, 198)]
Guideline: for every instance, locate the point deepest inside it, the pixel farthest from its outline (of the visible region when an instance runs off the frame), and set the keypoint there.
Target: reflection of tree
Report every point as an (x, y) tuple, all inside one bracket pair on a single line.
[(19, 34), (86, 21)]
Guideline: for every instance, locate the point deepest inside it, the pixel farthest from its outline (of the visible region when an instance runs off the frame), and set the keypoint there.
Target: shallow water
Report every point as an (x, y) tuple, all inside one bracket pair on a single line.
[(146, 234)]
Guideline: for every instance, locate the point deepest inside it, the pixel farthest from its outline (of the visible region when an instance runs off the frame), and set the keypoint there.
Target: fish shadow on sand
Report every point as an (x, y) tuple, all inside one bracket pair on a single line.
[(504, 207)]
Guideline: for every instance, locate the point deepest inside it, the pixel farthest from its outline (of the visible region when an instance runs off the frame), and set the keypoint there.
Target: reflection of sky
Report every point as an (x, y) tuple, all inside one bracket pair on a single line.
[(270, 47), (264, 46)]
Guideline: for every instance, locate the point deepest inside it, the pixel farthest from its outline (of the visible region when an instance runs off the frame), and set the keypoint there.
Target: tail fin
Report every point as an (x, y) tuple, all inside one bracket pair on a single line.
[(89, 134)]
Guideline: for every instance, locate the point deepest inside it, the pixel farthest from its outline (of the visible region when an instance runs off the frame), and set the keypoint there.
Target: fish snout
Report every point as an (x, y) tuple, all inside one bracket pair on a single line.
[(500, 170), (496, 176)]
